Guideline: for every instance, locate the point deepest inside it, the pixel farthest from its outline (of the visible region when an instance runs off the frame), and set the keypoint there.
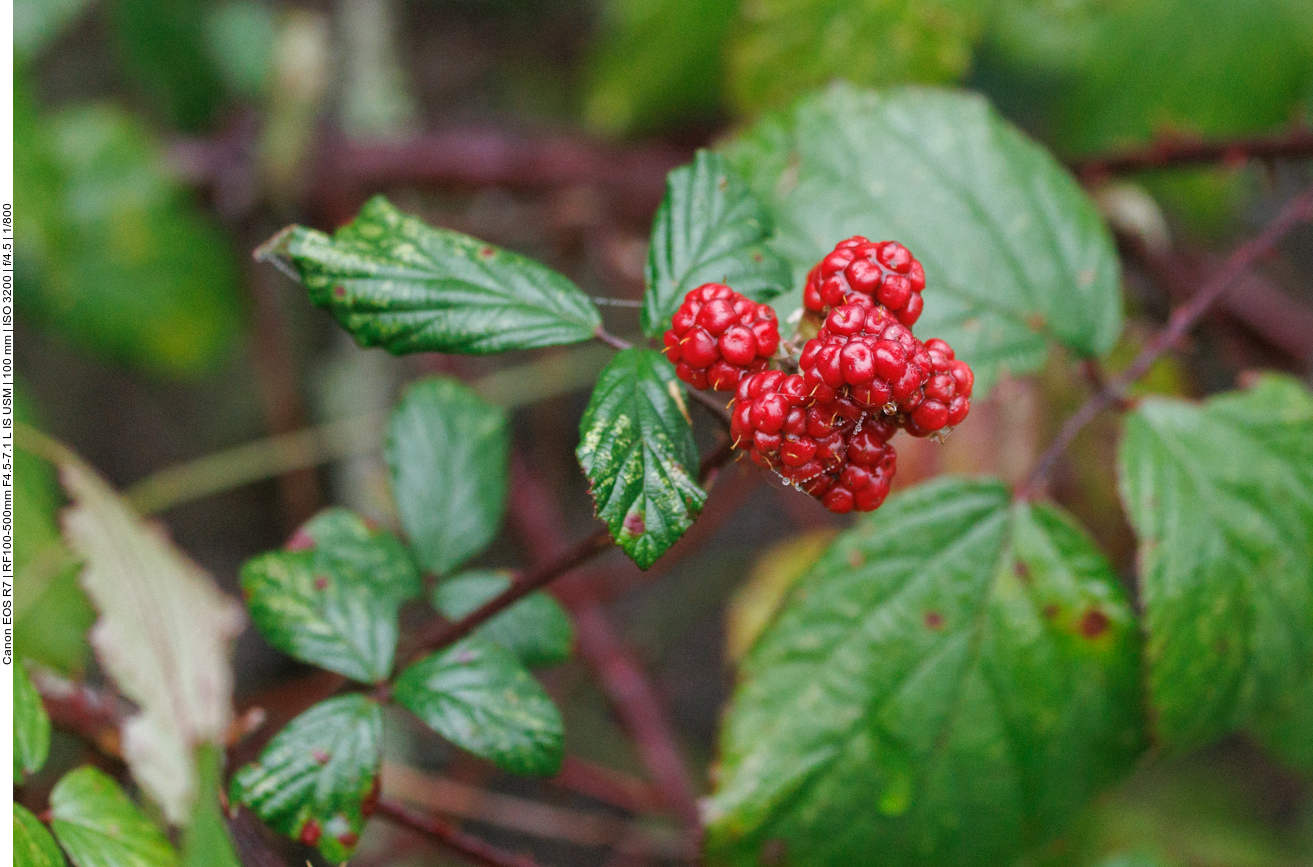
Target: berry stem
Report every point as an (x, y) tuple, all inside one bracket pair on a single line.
[(1298, 210), (611, 340)]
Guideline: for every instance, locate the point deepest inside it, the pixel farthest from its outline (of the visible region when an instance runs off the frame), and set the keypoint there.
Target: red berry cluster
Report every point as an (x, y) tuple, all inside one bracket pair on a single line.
[(832, 450), (717, 336), (864, 375), (884, 272)]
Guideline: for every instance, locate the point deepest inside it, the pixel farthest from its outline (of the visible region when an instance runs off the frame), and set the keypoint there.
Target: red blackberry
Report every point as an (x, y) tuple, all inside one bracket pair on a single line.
[(946, 395), (883, 271), (783, 429), (833, 451), (717, 336), (861, 481), (863, 353)]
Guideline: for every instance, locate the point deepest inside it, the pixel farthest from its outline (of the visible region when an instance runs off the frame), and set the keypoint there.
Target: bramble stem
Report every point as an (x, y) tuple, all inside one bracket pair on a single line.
[(1173, 152), (475, 850), (1298, 210), (444, 634)]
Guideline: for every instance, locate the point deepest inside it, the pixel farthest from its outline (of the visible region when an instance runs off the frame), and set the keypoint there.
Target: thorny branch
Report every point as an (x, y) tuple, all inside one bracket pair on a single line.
[(1298, 210)]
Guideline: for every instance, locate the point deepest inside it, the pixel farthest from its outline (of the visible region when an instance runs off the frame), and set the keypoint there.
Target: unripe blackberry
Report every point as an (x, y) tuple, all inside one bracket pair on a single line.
[(717, 336), (833, 451), (946, 395), (861, 481), (864, 354), (884, 271), (783, 429)]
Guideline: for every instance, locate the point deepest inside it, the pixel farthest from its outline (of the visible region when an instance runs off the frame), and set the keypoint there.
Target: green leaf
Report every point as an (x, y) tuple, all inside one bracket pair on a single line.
[(478, 696), (160, 45), (636, 448), (1014, 253), (783, 48), (656, 63), (51, 613), (536, 629), (1221, 497), (447, 451), (317, 781), (31, 726), (331, 597), (948, 685), (710, 228), (395, 282), (98, 825), (1166, 66), (206, 842), (114, 255), (33, 845), (240, 36)]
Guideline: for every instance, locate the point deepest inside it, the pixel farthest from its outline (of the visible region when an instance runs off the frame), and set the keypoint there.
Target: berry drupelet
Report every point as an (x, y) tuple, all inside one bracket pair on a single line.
[(884, 272), (718, 336)]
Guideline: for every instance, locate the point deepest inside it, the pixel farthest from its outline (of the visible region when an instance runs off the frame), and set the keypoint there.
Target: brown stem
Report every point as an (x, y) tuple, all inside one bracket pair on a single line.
[(1174, 152), (471, 847), (1298, 210), (635, 701), (621, 676)]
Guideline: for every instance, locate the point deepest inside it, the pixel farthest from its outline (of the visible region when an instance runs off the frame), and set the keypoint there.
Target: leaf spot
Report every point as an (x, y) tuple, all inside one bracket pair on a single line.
[(1094, 623), (486, 252), (855, 559), (634, 524), (320, 756), (300, 541), (934, 620), (310, 832), (1051, 611), (1036, 322), (1022, 571), (321, 583), (339, 292)]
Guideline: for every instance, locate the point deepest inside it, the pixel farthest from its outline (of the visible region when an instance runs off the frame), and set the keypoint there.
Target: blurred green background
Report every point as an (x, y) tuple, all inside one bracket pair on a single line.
[(157, 142)]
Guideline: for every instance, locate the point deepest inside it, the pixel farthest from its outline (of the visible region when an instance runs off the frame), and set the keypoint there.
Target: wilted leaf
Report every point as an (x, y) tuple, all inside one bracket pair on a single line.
[(758, 599), (331, 597), (478, 696), (163, 635), (98, 825), (710, 228), (949, 685), (393, 281), (1015, 254), (636, 448), (317, 780), (1221, 497), (447, 452), (536, 629)]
